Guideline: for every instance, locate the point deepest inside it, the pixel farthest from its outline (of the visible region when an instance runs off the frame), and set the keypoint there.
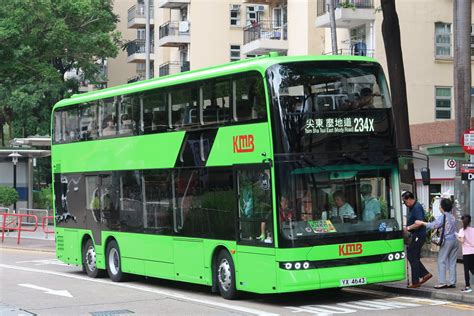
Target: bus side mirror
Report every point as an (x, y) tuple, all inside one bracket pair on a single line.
[(425, 175)]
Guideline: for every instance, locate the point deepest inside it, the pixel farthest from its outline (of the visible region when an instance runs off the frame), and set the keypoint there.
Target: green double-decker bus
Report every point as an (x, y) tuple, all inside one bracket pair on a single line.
[(269, 175)]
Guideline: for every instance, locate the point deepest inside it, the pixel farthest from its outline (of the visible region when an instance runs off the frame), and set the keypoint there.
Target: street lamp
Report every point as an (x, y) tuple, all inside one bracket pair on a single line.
[(14, 155)]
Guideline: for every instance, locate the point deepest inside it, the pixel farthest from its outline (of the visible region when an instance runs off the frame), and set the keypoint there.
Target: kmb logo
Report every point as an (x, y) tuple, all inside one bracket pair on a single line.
[(243, 143), (350, 249)]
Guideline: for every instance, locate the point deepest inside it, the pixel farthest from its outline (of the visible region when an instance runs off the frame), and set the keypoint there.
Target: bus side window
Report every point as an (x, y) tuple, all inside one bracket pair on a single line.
[(216, 102), (184, 107), (58, 133), (71, 124), (88, 122), (129, 114), (249, 99), (155, 112), (107, 118)]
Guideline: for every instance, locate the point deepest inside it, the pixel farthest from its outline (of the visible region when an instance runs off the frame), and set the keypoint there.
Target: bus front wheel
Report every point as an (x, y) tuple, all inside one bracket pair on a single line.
[(225, 273), (114, 264), (89, 260)]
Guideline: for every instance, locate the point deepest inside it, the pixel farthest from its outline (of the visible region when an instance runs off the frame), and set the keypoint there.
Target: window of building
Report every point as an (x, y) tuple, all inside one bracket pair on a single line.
[(443, 102), (234, 15), (234, 52), (252, 15), (443, 39), (472, 40)]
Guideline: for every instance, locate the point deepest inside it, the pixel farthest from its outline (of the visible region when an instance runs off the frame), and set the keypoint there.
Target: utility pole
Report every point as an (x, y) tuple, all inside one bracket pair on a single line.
[(147, 39), (332, 20), (462, 91)]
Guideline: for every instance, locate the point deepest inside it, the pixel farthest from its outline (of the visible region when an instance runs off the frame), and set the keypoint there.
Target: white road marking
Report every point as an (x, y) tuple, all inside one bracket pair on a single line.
[(43, 262), (145, 289), (425, 301), (64, 293)]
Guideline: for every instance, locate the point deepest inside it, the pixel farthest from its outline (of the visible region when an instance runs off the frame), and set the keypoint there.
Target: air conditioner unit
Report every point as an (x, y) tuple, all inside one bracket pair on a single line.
[(235, 7), (259, 8), (183, 27)]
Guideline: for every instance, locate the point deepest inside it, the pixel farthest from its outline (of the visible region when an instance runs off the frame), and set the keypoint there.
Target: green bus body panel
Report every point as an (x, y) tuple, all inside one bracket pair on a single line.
[(257, 268), (222, 152), (129, 153)]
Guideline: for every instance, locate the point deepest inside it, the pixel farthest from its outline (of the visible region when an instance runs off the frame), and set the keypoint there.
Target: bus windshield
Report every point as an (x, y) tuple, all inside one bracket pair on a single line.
[(317, 202)]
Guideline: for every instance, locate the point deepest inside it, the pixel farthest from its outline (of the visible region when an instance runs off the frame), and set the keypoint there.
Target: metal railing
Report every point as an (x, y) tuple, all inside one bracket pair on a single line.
[(138, 47), (138, 11), (273, 30), (174, 28), (173, 67), (354, 52), (322, 7), (14, 222)]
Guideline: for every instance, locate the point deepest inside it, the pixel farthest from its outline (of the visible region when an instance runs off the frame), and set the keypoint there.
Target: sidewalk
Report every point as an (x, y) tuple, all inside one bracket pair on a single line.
[(427, 290), (35, 241)]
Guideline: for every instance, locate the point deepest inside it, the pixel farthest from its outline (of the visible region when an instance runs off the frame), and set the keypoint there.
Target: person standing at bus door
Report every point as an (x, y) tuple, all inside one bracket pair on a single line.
[(466, 237), (448, 250), (419, 274), (342, 209), (371, 210)]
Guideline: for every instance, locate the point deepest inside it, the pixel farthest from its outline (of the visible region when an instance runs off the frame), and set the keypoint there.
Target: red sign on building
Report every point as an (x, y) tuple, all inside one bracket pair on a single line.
[(467, 141)]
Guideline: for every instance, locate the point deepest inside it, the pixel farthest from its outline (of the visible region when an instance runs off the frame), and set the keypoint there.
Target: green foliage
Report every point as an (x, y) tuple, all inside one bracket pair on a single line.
[(8, 196), (41, 41), (44, 198), (347, 5)]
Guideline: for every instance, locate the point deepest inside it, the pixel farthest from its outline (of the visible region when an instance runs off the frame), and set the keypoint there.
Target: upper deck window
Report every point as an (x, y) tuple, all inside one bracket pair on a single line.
[(328, 86)]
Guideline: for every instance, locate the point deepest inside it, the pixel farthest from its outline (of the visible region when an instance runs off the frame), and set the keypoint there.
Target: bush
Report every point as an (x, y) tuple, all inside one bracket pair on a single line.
[(44, 198), (8, 196)]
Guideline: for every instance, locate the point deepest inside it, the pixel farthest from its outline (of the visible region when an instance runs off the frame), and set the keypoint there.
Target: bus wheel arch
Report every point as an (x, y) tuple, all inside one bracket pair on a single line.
[(224, 274), (89, 258), (113, 261)]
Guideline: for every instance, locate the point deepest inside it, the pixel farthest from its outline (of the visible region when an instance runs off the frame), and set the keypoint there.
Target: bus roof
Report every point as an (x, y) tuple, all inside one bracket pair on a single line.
[(260, 64)]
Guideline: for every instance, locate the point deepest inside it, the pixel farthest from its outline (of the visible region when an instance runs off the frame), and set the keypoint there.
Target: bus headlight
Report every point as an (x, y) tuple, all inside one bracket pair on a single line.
[(288, 266), (390, 257), (306, 265)]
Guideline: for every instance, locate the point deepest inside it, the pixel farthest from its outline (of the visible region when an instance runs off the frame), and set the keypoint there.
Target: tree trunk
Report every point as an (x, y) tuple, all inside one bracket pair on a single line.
[(462, 65), (396, 73)]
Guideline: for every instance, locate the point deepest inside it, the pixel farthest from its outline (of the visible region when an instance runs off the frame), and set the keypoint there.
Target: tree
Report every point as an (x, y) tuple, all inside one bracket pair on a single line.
[(42, 40), (396, 73), (8, 196)]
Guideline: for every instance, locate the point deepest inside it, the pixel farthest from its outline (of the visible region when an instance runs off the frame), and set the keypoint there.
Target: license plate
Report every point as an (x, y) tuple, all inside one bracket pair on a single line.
[(353, 281)]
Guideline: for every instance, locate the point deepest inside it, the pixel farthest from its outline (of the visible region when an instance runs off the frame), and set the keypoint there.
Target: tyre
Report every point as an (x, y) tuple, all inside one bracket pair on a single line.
[(225, 273), (89, 260), (114, 262)]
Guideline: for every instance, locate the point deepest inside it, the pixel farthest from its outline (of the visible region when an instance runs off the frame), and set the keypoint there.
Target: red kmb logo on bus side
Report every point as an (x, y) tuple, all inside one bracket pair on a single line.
[(243, 143), (350, 249)]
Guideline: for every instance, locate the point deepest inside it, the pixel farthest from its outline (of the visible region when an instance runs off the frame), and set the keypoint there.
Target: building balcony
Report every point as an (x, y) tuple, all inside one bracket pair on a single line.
[(140, 75), (136, 16), (264, 37), (173, 67), (348, 13), (174, 34), (173, 4), (355, 51), (136, 51)]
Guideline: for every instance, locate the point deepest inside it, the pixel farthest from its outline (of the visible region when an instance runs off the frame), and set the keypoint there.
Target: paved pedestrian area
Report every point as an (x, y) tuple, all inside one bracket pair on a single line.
[(40, 242)]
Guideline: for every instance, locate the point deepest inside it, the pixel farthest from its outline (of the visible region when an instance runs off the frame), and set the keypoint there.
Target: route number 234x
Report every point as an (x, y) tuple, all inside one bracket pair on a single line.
[(364, 124)]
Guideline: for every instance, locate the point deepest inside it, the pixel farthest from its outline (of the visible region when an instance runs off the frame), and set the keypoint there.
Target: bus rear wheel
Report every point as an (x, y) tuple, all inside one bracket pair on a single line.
[(89, 260), (114, 262), (225, 273)]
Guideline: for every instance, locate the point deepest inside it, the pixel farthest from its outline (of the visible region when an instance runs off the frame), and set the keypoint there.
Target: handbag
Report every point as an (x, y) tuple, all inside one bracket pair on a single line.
[(437, 237)]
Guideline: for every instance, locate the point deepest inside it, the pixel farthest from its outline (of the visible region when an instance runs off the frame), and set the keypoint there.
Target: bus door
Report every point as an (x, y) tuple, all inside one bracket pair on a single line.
[(255, 232)]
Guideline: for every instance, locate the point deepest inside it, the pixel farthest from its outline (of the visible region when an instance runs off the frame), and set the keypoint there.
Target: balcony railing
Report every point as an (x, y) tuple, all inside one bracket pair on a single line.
[(265, 30), (354, 52), (347, 4), (138, 11), (173, 67), (174, 28), (138, 47)]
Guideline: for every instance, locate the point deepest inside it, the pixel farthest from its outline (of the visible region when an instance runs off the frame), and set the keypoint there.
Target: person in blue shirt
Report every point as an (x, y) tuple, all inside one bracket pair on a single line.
[(448, 251), (419, 274), (371, 210)]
